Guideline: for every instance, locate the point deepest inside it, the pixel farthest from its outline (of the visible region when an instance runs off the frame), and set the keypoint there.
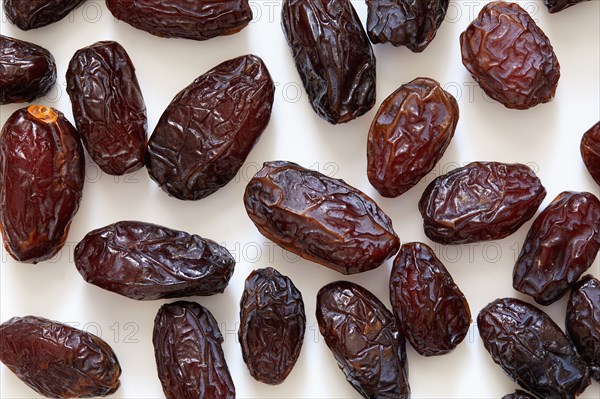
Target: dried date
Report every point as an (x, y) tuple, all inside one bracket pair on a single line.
[(518, 395), (320, 218), (33, 14), (410, 133), (559, 5), (363, 336), (480, 201), (590, 151), (510, 56), (57, 360), (333, 56)]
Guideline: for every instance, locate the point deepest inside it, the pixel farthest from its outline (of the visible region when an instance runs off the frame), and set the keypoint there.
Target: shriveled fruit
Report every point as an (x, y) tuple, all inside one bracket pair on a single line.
[(590, 151), (32, 14), (559, 5)]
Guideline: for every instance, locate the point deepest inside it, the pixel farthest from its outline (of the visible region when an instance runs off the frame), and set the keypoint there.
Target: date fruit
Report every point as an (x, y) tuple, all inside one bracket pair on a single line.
[(33, 14), (42, 171), (559, 5), (590, 151), (145, 261), (363, 336), (109, 110), (319, 218), (207, 131), (187, 347), (518, 395), (409, 135), (27, 71), (407, 23), (510, 56), (431, 311), (480, 201), (196, 20), (532, 349), (57, 360), (333, 56), (272, 325)]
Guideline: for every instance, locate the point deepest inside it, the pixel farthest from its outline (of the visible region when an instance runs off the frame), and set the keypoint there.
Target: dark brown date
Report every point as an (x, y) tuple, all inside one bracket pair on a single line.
[(583, 322), (559, 5), (362, 335), (333, 56), (407, 23), (27, 71), (207, 131), (320, 218), (590, 151), (145, 261), (510, 56), (272, 325), (480, 201), (33, 14), (409, 135), (431, 311), (42, 170), (109, 110), (518, 395), (57, 360), (187, 347), (532, 349), (197, 20)]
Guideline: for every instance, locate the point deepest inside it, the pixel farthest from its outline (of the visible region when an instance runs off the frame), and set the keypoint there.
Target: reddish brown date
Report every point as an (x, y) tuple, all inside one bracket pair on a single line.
[(532, 349), (333, 57), (480, 201), (272, 325), (145, 261), (27, 71), (590, 151), (33, 14), (409, 135), (197, 20), (108, 107), (207, 131), (42, 171), (510, 56), (559, 5), (57, 360), (187, 347), (320, 218), (431, 311), (362, 335), (518, 395)]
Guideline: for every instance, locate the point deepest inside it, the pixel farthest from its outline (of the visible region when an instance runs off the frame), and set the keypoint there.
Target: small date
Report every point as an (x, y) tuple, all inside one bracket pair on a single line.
[(555, 6), (33, 14), (590, 151)]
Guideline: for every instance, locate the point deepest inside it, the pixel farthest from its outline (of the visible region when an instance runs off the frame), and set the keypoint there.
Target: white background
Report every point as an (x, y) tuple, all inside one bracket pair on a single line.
[(545, 137)]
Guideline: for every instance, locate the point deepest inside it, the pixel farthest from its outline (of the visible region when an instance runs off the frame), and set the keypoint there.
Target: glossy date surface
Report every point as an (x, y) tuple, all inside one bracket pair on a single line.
[(33, 14), (559, 5), (590, 151)]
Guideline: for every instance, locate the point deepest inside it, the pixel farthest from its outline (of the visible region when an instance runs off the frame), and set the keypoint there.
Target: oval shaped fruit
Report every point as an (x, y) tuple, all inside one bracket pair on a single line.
[(197, 20), (320, 218), (510, 56), (187, 347), (145, 261), (560, 246), (33, 14), (480, 201), (272, 325), (590, 151), (559, 5), (207, 131), (410, 133), (518, 395), (362, 335), (532, 349), (27, 71), (431, 311), (57, 360), (108, 107), (42, 171), (333, 56)]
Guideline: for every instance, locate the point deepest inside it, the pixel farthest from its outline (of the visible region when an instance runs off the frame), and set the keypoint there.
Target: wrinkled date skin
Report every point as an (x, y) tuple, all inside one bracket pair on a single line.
[(205, 134), (196, 20), (518, 395), (109, 110), (532, 349), (319, 218), (559, 5), (333, 56), (362, 335), (560, 246), (27, 71), (410, 133), (145, 261), (583, 322), (510, 56), (410, 23), (187, 347), (431, 311), (42, 171), (590, 151), (33, 14), (272, 325), (480, 201), (57, 360)]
